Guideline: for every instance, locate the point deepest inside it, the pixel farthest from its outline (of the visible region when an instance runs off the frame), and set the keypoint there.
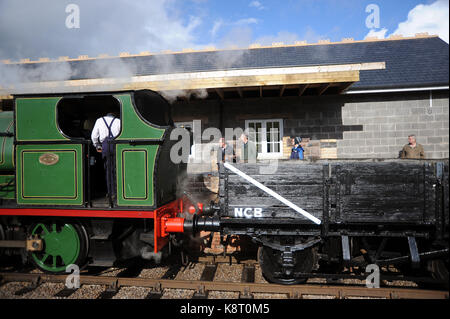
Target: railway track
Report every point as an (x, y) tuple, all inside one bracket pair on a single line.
[(211, 278), (203, 287)]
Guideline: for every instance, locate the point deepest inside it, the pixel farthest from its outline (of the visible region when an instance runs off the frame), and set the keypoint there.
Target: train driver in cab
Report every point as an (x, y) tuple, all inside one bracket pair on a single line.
[(105, 130)]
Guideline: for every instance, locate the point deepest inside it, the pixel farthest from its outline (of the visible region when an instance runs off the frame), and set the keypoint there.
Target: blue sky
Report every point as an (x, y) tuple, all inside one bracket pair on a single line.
[(38, 28), (305, 19)]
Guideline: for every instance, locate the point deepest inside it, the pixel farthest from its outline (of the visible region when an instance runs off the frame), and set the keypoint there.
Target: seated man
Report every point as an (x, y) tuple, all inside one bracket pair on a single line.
[(105, 130)]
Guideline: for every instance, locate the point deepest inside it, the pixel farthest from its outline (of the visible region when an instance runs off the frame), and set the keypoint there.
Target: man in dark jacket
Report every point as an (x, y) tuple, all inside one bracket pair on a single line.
[(225, 152)]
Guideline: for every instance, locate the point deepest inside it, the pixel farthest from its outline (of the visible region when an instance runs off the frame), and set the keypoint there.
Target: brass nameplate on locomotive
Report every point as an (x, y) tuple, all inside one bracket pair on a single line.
[(48, 159)]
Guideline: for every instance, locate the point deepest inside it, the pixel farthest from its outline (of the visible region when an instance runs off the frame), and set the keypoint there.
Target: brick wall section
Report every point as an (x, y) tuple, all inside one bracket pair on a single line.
[(346, 126)]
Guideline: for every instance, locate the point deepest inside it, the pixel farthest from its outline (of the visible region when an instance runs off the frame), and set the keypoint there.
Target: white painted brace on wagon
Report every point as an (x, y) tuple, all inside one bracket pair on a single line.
[(272, 193)]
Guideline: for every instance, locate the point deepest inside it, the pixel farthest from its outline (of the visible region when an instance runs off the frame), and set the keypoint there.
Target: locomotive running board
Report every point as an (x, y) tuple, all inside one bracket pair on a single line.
[(273, 194)]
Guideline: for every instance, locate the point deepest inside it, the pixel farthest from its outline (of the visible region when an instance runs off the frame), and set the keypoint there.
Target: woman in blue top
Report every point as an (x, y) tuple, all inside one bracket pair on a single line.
[(297, 150)]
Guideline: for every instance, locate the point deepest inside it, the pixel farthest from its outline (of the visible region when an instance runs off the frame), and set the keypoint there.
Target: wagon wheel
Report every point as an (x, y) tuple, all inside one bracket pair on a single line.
[(63, 244), (271, 265)]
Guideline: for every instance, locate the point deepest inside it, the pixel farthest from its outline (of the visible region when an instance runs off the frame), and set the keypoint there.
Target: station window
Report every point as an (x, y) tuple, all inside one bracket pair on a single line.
[(267, 135), (76, 116)]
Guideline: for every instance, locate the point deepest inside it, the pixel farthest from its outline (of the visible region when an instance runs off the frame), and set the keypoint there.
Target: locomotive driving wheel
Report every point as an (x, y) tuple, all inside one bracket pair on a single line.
[(63, 244), (281, 269)]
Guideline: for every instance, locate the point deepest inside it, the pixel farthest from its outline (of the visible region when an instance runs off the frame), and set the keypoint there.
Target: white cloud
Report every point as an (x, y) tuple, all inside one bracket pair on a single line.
[(219, 24), (380, 34), (246, 21), (432, 18), (133, 27), (256, 4)]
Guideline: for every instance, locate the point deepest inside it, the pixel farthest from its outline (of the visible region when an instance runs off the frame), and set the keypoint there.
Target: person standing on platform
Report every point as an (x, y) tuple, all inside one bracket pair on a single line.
[(297, 150), (412, 149), (248, 150)]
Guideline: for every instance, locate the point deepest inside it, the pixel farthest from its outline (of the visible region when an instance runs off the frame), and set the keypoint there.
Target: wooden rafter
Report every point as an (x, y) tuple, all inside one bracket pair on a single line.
[(220, 93), (344, 87), (241, 94), (302, 89), (323, 88)]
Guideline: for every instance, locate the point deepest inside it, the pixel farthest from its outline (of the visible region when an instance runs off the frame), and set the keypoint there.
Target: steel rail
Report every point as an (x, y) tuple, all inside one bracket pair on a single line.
[(293, 291)]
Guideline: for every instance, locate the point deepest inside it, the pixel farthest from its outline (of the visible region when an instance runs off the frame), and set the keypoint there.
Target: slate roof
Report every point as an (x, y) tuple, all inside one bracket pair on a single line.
[(410, 62)]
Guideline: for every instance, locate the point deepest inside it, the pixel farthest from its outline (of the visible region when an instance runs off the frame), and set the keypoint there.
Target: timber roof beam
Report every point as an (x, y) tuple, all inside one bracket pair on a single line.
[(218, 80)]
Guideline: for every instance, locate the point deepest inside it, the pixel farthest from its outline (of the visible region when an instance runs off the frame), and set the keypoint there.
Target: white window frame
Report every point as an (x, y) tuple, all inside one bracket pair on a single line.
[(264, 154)]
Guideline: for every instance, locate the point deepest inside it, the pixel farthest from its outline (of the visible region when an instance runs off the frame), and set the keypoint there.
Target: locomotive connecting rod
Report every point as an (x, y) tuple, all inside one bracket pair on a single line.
[(272, 193)]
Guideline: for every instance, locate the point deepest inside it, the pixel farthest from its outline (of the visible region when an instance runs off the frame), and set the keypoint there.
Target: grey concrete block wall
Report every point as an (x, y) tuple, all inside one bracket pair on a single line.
[(388, 120)]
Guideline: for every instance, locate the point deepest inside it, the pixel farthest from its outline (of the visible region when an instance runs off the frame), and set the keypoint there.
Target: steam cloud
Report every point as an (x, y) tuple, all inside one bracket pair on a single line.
[(104, 28)]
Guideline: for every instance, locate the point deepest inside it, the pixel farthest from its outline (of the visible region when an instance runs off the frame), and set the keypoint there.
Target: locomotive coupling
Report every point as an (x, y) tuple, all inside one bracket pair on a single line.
[(193, 226), (199, 223)]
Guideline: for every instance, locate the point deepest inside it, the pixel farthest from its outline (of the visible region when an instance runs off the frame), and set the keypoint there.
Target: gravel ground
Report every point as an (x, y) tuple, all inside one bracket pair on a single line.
[(177, 294), (132, 293), (45, 291), (7, 290), (223, 295), (155, 272), (87, 292), (191, 273), (229, 273)]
